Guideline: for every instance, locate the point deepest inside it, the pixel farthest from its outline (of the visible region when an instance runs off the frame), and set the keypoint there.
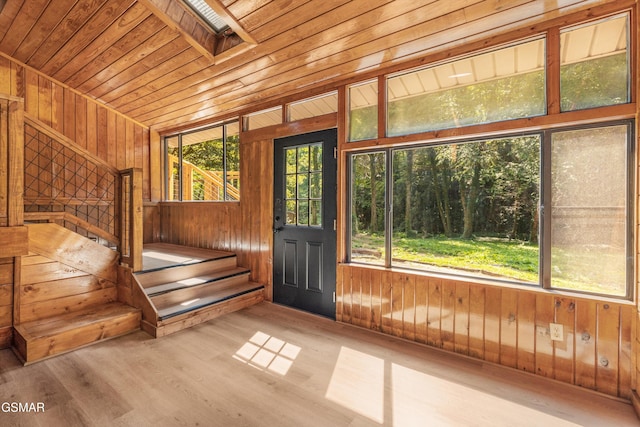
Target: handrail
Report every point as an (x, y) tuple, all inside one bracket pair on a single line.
[(68, 143), (68, 217), (213, 177)]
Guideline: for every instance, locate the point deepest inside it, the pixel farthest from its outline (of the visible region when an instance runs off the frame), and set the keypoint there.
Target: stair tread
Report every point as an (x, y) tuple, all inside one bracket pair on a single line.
[(194, 281), (162, 256), (214, 295), (69, 321)]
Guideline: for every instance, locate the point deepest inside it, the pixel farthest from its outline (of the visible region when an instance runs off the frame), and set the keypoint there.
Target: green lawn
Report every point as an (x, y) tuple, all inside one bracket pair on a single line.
[(496, 257)]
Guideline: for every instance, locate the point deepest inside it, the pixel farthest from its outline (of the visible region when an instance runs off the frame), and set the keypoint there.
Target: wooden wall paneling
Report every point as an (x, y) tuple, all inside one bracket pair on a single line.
[(112, 139), (81, 122), (121, 143), (421, 308), (448, 315), (266, 219), (156, 171), (15, 164), (376, 300), (434, 313), (365, 298), (57, 107), (564, 351), (44, 100), (461, 322), (397, 303), (347, 301), (356, 296), (509, 328), (492, 323), (386, 307), (69, 114), (31, 93), (6, 82), (339, 291), (476, 321), (608, 335), (625, 359), (92, 142), (545, 309), (4, 158), (130, 146), (526, 356), (409, 307), (585, 344)]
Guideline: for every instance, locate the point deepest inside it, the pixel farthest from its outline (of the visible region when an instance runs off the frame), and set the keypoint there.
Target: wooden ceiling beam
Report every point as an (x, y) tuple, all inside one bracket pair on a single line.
[(231, 21), (205, 46)]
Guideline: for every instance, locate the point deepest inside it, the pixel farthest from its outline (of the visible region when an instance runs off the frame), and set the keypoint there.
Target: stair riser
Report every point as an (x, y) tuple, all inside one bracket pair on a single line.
[(174, 274), (41, 348), (204, 314), (181, 295)]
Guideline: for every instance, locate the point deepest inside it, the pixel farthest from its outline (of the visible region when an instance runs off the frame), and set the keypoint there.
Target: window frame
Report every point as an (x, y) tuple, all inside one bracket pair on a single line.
[(167, 171), (544, 226)]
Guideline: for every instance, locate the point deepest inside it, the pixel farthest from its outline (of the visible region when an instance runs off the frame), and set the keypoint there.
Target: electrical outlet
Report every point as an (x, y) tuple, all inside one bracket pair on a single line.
[(556, 331)]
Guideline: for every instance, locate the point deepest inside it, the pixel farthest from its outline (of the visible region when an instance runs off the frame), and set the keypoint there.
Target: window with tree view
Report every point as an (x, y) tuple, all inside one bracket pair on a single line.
[(204, 164), (473, 208)]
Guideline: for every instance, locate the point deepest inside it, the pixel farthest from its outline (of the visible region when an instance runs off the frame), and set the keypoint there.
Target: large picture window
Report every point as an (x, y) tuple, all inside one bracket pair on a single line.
[(550, 208), (204, 164)]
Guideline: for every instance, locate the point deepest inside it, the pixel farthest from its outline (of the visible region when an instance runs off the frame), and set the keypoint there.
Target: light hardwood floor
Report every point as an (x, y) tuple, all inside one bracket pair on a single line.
[(271, 366)]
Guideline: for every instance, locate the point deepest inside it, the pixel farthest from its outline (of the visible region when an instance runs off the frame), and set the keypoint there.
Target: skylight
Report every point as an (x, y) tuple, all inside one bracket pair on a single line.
[(202, 8)]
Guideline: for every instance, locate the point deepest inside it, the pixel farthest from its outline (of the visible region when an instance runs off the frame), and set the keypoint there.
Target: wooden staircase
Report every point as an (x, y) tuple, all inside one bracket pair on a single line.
[(194, 286), (68, 295)]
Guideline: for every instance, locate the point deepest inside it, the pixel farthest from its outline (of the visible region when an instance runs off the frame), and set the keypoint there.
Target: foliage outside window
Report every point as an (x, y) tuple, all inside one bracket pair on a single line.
[(363, 111), (303, 179), (204, 164), (594, 67), (472, 208), (505, 84)]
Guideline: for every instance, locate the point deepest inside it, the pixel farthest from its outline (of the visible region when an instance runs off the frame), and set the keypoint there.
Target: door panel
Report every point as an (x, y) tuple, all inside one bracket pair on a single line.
[(304, 211)]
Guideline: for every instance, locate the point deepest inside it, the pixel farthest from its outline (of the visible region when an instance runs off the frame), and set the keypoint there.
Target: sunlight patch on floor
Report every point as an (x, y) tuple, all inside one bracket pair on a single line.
[(357, 383), (268, 353)]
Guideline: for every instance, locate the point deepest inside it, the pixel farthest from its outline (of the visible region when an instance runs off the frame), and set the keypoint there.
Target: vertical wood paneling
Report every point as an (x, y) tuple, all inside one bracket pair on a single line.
[(501, 325), (564, 350), (585, 343), (461, 323), (544, 348), (509, 328), (409, 307), (476, 321), (526, 332), (607, 351), (422, 308), (434, 313)]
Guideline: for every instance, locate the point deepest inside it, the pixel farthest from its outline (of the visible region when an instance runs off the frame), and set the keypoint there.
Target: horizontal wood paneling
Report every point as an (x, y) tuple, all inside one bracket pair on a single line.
[(499, 324)]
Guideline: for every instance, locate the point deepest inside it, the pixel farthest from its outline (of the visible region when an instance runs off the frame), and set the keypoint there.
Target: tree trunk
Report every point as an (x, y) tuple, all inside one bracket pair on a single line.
[(468, 197), (374, 193), (407, 210)]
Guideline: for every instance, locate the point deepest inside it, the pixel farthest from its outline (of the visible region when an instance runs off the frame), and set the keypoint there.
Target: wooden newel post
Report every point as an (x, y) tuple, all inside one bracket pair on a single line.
[(131, 213)]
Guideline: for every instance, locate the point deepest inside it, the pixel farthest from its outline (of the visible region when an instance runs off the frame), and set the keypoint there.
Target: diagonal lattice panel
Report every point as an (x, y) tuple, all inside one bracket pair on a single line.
[(59, 179)]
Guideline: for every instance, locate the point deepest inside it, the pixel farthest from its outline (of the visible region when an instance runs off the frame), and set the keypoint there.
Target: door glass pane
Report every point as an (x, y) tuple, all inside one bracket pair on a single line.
[(303, 181), (589, 210), (368, 188)]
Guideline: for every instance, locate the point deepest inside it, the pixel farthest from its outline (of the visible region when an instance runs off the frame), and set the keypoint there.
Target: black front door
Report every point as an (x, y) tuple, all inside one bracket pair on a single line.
[(304, 212)]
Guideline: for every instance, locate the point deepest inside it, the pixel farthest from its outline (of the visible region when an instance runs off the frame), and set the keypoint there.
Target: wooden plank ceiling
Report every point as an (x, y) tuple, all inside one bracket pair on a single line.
[(153, 61)]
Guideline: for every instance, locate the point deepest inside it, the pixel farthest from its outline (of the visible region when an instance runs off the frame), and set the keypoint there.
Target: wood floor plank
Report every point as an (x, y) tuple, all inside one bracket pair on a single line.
[(269, 365)]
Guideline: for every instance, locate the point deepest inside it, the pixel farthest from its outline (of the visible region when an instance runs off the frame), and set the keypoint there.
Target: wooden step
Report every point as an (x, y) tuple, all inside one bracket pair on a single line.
[(195, 281), (148, 279), (225, 301), (172, 305), (49, 337)]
